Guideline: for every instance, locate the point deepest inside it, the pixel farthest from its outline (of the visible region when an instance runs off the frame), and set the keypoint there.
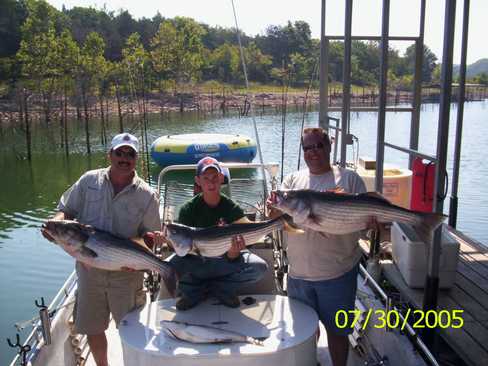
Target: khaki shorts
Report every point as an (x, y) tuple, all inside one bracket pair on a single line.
[(103, 292)]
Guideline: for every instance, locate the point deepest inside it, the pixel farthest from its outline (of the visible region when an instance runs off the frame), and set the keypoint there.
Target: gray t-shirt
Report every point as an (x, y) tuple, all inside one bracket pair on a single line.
[(129, 214), (312, 255)]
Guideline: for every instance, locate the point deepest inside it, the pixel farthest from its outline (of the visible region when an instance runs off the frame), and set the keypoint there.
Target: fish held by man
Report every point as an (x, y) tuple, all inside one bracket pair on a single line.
[(196, 333), (102, 250), (342, 213)]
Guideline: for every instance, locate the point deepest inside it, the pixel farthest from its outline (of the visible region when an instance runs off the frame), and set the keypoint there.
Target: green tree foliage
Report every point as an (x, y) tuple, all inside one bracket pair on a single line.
[(225, 63), (136, 63), (281, 42), (181, 50), (177, 49), (12, 15), (428, 65), (258, 63)]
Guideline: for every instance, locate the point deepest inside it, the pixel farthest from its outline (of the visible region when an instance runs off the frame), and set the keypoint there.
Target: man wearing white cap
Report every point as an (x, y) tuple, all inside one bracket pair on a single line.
[(116, 200)]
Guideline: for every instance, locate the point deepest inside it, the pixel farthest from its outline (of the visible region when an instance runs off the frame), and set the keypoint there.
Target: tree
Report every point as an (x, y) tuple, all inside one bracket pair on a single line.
[(282, 41), (225, 63), (428, 65), (258, 64), (177, 49), (38, 53), (91, 68)]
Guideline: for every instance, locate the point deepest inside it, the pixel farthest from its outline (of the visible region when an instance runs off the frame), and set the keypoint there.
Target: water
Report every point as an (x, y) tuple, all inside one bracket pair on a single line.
[(31, 267)]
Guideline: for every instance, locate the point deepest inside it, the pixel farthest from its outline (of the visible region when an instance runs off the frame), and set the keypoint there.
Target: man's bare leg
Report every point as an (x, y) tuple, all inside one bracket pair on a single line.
[(98, 347), (338, 349)]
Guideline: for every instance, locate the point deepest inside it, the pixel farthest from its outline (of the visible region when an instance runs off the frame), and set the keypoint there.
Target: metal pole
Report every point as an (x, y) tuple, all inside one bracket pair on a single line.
[(417, 88), (460, 114), (346, 82), (324, 73), (432, 279), (380, 147)]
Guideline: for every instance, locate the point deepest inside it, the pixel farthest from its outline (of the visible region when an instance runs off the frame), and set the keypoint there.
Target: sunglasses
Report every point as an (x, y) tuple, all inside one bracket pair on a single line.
[(126, 154), (318, 145)]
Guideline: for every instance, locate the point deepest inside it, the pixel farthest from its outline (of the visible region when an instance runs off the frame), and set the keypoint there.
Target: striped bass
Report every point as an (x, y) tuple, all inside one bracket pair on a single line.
[(215, 241), (343, 213), (102, 250), (196, 333)]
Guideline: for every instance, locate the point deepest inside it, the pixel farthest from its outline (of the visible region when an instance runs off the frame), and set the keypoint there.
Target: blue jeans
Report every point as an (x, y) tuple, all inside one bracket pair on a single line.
[(328, 297), (216, 276)]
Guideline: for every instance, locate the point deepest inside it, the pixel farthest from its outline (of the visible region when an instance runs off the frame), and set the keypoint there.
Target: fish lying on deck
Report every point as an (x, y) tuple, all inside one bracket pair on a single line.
[(196, 333), (215, 241), (103, 250), (342, 213)]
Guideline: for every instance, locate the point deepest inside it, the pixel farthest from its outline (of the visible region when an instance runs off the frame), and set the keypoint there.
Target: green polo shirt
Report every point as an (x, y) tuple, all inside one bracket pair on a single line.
[(197, 213)]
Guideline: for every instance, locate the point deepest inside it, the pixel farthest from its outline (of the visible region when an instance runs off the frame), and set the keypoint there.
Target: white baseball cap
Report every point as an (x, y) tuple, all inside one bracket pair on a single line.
[(125, 139)]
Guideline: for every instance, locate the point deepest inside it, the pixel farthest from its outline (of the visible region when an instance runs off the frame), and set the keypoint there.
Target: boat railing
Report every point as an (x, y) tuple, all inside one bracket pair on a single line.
[(390, 307), (249, 192), (35, 340)]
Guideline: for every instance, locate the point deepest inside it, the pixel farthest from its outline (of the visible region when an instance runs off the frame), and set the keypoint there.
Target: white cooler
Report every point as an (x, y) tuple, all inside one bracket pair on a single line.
[(410, 256)]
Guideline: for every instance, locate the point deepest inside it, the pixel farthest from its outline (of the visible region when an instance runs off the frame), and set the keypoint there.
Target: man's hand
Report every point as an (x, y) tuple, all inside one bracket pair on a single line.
[(271, 212), (238, 244), (154, 238)]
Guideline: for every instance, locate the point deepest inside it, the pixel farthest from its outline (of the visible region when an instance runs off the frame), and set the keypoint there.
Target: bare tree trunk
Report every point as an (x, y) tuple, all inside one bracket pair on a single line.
[(87, 130), (119, 108), (28, 138), (65, 120), (102, 116)]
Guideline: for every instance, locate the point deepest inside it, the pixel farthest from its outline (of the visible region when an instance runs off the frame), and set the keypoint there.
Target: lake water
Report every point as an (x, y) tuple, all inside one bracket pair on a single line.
[(31, 267)]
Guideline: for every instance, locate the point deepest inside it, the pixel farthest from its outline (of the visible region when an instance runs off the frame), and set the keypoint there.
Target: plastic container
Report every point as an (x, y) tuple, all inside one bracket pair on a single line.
[(397, 184), (410, 256)]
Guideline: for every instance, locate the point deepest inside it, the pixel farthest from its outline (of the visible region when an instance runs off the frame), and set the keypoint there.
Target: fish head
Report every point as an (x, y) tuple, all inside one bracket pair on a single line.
[(178, 237), (288, 202), (293, 204), (69, 234)]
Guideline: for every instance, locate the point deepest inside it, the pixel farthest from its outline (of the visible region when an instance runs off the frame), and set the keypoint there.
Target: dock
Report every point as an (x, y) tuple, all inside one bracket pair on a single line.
[(470, 294)]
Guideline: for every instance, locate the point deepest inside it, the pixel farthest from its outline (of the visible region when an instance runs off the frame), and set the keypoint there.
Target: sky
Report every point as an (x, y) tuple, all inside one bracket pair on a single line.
[(255, 15)]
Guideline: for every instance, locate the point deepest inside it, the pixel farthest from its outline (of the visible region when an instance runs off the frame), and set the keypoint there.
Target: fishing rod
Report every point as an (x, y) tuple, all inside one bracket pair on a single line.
[(251, 109), (312, 78)]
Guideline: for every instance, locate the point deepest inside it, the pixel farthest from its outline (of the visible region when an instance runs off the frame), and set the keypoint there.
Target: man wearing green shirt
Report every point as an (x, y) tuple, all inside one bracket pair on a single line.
[(221, 276)]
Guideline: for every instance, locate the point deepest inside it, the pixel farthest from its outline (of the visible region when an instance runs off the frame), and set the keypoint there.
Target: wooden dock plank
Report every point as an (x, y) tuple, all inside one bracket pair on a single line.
[(471, 341)]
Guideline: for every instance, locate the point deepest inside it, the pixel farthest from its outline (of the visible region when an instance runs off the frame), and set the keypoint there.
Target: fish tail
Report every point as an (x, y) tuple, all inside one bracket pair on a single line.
[(289, 225), (169, 277), (430, 222)]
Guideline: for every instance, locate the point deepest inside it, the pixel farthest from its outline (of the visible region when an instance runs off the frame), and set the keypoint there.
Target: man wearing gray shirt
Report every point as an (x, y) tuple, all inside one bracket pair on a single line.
[(324, 268), (116, 200)]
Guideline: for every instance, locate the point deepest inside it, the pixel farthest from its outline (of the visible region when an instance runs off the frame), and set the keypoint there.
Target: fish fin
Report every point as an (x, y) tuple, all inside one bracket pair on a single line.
[(377, 195), (430, 222), (290, 226), (86, 252), (140, 242)]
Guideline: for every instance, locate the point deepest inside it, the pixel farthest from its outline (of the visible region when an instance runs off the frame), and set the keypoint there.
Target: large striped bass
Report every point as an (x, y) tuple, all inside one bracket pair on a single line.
[(215, 241), (343, 213), (196, 333), (102, 250)]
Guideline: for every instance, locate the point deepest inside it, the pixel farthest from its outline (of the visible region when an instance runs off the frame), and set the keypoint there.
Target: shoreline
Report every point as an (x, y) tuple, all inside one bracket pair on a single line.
[(231, 102)]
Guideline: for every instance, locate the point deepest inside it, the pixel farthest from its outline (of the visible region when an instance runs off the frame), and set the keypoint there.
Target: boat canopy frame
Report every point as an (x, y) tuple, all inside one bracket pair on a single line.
[(440, 159)]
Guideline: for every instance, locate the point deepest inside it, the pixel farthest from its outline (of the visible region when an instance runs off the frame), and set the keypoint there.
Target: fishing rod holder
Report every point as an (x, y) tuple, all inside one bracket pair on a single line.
[(45, 321), (23, 349)]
